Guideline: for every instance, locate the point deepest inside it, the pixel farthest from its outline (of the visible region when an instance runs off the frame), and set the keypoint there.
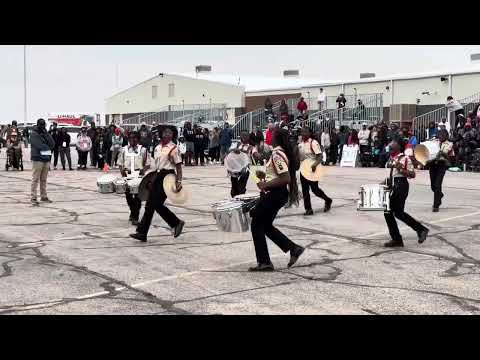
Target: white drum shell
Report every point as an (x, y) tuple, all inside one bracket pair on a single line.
[(430, 148), (120, 186), (374, 197), (105, 184), (230, 217), (134, 185)]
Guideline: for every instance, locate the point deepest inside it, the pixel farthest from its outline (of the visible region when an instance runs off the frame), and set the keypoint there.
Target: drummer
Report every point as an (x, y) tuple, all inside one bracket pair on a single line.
[(281, 187), (167, 161), (141, 159), (401, 170), (239, 184), (309, 148), (438, 167)]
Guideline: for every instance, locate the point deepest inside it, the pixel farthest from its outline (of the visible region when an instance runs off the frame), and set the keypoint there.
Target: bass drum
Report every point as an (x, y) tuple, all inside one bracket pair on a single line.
[(427, 151), (143, 190)]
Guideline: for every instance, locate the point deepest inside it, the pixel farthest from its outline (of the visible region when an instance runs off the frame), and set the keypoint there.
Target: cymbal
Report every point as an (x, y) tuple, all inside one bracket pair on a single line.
[(143, 190), (306, 170), (180, 197)]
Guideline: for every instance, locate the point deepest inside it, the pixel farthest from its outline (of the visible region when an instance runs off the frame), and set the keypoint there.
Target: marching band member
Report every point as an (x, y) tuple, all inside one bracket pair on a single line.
[(167, 161), (439, 166), (239, 185), (310, 148), (401, 170), (141, 160), (275, 194)]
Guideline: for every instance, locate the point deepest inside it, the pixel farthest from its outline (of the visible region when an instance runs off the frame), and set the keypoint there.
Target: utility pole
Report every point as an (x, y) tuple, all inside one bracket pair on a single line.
[(25, 85)]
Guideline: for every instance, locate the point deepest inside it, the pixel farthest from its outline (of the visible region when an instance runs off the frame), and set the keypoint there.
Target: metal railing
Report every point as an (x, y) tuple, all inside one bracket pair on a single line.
[(421, 123)]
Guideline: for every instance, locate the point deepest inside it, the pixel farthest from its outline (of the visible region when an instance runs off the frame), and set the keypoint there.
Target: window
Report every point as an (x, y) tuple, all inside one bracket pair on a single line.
[(154, 91), (171, 90)]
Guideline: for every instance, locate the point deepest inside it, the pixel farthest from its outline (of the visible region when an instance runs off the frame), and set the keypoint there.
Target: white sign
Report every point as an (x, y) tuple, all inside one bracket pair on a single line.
[(349, 156)]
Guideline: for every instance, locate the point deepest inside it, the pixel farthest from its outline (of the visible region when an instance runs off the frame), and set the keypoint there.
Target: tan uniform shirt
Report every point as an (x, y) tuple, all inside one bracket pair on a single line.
[(277, 165), (166, 157), (140, 159), (309, 149)]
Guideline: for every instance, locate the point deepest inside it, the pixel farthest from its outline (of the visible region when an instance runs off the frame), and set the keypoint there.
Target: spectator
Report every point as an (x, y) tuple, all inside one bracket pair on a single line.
[(215, 143), (432, 130), (92, 134), (353, 138), (26, 136), (283, 113), (107, 142), (268, 107), (84, 145), (444, 124), (64, 148), (117, 142), (325, 143), (364, 140), (342, 141), (455, 107), (302, 106), (41, 154), (341, 101), (55, 136), (101, 148), (189, 137), (361, 110), (322, 100), (269, 134), (145, 136), (412, 139), (225, 141), (334, 142)]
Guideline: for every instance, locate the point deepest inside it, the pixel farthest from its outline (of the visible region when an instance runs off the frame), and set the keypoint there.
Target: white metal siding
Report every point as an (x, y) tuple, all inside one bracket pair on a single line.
[(192, 91), (407, 91), (465, 85)]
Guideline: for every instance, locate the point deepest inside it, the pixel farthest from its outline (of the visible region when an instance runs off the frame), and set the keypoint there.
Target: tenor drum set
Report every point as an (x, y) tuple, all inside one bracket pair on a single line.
[(234, 215)]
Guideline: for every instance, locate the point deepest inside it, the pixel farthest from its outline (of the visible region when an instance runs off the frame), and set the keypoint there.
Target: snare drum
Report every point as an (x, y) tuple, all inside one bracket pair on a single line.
[(374, 197), (134, 185), (120, 185), (105, 184), (237, 164), (231, 217)]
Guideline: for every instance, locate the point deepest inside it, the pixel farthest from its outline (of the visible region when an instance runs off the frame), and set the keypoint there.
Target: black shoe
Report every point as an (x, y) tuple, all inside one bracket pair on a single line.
[(262, 267), (393, 244), (35, 202), (295, 254), (63, 169), (422, 236), (178, 229), (308, 212), (71, 169), (435, 209), (134, 222), (328, 206), (138, 236), (47, 200)]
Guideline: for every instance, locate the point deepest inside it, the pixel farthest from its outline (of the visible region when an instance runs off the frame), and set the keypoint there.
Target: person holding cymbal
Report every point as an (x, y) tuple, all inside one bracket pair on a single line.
[(275, 193), (309, 148), (166, 161)]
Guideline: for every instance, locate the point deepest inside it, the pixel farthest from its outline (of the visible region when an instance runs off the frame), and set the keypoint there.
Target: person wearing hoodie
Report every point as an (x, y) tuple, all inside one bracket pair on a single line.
[(84, 145), (117, 142), (56, 137), (42, 145)]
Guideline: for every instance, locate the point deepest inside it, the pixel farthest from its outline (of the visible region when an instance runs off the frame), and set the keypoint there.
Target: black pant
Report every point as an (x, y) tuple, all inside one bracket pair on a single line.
[(333, 154), (263, 216), (82, 158), (65, 152), (134, 203), (199, 153), (239, 185), (437, 172), (93, 156), (100, 162), (55, 156), (156, 203), (306, 186), (340, 153), (397, 210), (215, 153)]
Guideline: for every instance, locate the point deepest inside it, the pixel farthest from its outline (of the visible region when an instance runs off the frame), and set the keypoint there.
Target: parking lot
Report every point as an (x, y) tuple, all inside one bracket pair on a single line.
[(74, 256)]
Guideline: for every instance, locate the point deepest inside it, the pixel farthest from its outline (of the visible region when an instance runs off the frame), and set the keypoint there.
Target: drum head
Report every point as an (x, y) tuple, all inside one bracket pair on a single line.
[(306, 170), (249, 196), (235, 163), (229, 206), (106, 179)]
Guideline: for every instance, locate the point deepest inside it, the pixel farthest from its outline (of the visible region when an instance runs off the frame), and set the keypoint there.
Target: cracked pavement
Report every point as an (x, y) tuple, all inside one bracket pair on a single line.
[(74, 256)]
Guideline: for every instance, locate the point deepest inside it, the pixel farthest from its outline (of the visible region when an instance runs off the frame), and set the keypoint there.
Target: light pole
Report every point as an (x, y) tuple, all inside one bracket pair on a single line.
[(25, 85)]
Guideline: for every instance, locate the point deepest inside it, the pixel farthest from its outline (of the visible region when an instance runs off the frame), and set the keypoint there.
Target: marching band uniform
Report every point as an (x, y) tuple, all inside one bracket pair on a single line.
[(265, 212), (166, 159), (437, 170), (141, 159), (399, 194), (239, 184), (310, 148)]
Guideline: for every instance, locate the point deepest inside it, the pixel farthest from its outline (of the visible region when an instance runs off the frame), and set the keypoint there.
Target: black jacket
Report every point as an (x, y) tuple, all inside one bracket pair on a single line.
[(64, 138), (41, 141)]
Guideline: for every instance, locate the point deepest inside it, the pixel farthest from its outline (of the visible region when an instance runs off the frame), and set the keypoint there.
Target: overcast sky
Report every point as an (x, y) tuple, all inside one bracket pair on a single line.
[(79, 78)]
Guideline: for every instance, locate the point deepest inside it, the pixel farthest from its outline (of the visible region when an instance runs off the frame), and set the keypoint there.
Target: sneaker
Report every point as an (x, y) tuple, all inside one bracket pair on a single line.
[(138, 236), (393, 244), (422, 236), (71, 169), (47, 200), (328, 205), (63, 169), (262, 267), (178, 229), (295, 254), (308, 212), (35, 202)]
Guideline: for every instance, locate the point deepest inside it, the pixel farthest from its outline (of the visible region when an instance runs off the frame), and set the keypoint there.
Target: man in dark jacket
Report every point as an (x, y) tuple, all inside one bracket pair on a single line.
[(41, 155), (64, 148), (225, 141), (55, 136), (92, 134)]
